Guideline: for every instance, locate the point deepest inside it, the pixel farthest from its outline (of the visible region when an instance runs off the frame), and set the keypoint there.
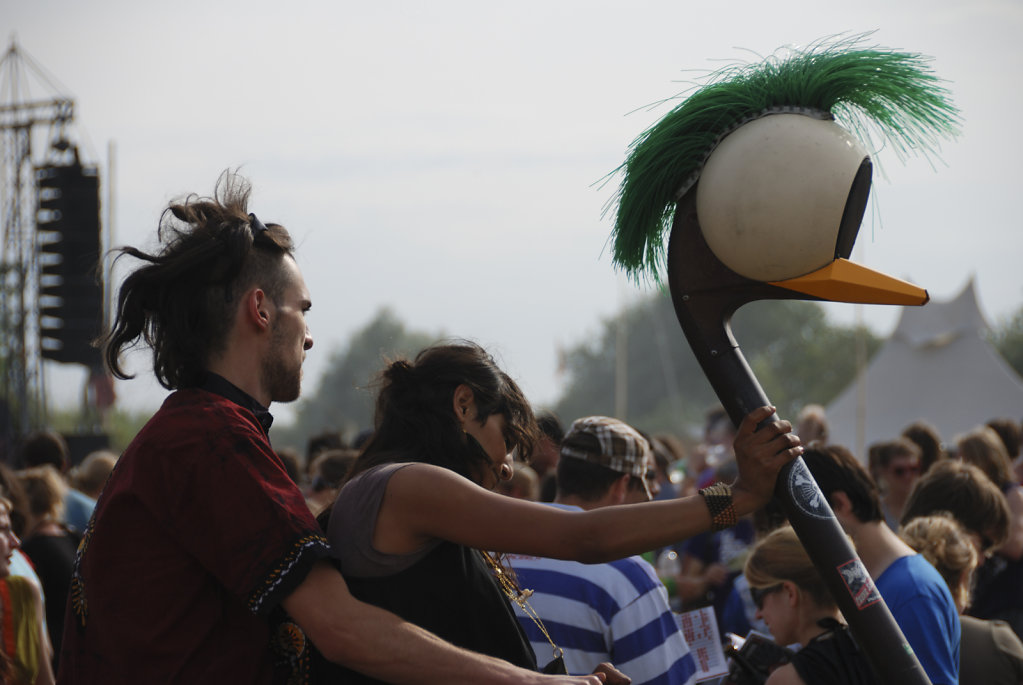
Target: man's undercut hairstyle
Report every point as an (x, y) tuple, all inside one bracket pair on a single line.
[(182, 302), (836, 469)]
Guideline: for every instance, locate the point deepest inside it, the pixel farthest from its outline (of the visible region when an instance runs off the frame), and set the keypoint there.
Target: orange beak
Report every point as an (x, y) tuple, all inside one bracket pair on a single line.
[(845, 281)]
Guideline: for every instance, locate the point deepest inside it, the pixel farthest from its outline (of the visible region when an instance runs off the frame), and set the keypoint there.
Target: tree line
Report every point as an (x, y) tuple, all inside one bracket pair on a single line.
[(798, 355)]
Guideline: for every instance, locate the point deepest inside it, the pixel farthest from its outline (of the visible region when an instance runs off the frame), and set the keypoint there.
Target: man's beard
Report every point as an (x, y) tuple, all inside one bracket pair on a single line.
[(283, 382)]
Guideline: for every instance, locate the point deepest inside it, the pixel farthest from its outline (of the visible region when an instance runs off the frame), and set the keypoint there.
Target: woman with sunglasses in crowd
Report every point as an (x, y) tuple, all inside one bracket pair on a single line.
[(794, 602), (418, 530)]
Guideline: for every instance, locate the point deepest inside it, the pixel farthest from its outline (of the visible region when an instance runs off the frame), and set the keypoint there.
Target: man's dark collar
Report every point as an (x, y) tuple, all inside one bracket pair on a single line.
[(221, 386)]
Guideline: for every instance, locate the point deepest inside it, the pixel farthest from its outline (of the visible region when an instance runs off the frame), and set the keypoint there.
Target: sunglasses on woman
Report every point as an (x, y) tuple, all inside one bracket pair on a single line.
[(759, 593)]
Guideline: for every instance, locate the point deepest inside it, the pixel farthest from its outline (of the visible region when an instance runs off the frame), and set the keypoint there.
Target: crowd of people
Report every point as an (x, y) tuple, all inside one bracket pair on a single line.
[(462, 538), (936, 524), (45, 506)]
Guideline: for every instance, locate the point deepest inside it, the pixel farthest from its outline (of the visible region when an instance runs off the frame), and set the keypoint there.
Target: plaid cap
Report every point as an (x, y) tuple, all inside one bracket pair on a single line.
[(608, 442)]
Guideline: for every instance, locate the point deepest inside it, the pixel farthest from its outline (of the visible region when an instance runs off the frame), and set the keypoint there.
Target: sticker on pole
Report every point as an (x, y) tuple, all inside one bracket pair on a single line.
[(860, 584), (806, 494)]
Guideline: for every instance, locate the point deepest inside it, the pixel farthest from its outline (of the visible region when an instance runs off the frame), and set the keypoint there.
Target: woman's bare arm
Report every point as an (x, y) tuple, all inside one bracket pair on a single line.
[(424, 502)]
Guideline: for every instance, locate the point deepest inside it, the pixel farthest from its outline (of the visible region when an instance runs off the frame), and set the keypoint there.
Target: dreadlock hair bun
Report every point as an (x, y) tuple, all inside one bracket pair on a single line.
[(400, 373)]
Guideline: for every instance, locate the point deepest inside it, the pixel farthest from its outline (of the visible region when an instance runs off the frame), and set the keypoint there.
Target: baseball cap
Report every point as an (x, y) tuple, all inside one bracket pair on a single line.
[(610, 443)]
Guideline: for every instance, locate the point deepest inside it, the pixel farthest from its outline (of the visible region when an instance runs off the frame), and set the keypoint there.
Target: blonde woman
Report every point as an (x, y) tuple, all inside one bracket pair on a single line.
[(794, 602), (990, 652), (24, 648)]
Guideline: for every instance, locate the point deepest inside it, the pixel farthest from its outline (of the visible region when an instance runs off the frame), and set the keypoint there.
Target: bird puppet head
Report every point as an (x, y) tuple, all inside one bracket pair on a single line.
[(776, 158)]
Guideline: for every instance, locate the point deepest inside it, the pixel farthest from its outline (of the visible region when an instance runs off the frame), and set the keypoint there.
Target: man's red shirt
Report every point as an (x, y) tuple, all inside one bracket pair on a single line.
[(198, 535)]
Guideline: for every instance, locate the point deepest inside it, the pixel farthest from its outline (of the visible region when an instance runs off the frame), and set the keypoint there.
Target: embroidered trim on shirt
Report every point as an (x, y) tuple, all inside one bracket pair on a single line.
[(275, 577), (79, 604)]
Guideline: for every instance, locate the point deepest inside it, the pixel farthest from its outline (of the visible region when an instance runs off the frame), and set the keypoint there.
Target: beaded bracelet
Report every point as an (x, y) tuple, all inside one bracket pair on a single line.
[(719, 501)]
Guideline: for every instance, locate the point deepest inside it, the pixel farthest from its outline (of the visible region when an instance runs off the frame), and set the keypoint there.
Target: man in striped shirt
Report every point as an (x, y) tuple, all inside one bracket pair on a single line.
[(617, 611)]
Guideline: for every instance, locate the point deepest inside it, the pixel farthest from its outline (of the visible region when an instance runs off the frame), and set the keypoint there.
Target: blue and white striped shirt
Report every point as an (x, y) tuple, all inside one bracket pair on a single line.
[(615, 612)]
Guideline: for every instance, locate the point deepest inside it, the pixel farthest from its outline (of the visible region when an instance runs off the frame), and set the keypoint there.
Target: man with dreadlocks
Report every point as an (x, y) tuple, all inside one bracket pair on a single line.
[(202, 563)]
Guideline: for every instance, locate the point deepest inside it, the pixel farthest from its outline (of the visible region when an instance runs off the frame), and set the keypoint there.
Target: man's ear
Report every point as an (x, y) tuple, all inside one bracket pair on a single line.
[(257, 308), (840, 503), (618, 490), (464, 403)]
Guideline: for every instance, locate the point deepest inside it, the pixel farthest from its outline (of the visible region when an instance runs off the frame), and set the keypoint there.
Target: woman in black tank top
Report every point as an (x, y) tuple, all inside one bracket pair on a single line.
[(793, 600)]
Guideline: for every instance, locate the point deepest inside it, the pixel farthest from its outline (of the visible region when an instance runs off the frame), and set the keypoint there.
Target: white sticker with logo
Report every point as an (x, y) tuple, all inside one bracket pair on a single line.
[(807, 497)]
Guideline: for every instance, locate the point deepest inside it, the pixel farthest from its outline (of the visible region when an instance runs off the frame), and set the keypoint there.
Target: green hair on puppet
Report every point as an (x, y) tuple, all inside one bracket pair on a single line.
[(883, 97)]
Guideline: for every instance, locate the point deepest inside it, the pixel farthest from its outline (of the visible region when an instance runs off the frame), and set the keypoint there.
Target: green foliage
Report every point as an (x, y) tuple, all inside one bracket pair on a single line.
[(344, 399), (63, 420), (122, 427), (1007, 338), (798, 356)]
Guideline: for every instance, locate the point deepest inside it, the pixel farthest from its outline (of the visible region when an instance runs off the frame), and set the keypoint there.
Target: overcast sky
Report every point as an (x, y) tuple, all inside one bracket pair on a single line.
[(444, 158)]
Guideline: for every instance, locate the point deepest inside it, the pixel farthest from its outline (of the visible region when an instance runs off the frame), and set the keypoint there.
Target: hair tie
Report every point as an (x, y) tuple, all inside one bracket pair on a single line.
[(256, 226)]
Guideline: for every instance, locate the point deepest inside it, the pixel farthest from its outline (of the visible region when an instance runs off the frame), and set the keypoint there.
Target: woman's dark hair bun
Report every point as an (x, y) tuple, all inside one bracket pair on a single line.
[(400, 372)]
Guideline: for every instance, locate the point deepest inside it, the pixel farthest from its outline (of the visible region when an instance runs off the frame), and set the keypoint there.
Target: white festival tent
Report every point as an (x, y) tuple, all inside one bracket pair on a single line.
[(936, 366)]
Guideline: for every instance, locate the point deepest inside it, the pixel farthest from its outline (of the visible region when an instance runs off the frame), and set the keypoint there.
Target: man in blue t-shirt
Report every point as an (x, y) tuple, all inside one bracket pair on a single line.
[(913, 590)]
